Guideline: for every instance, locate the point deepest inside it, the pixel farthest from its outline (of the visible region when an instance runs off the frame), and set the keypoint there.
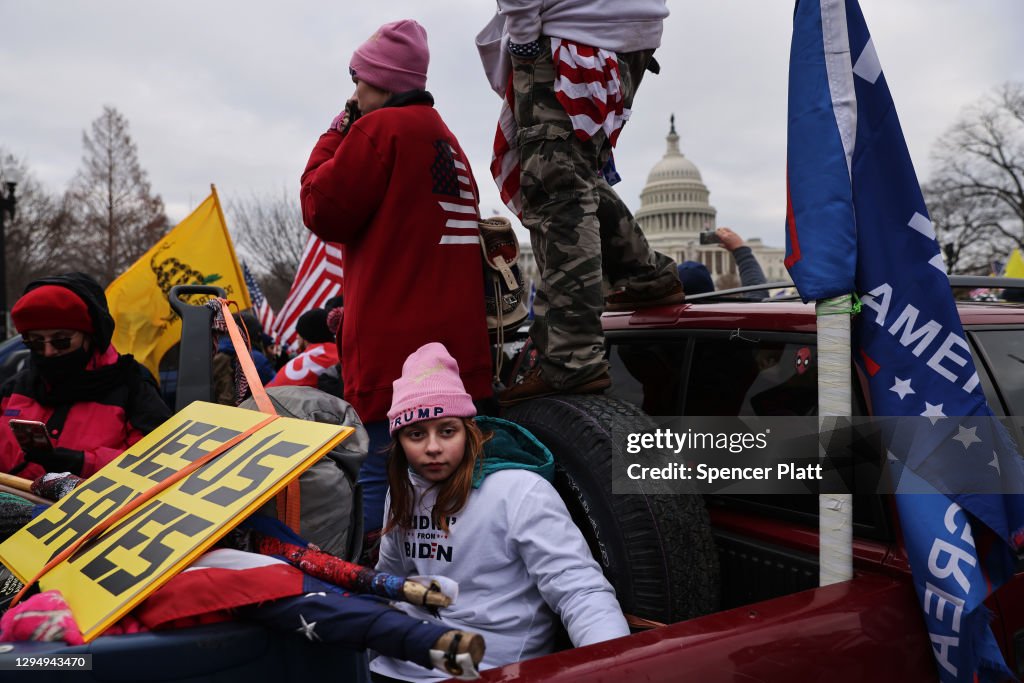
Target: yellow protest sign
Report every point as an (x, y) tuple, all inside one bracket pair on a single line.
[(198, 251), (111, 574)]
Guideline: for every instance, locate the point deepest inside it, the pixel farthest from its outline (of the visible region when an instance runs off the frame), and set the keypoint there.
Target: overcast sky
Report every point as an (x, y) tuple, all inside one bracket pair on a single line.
[(236, 93)]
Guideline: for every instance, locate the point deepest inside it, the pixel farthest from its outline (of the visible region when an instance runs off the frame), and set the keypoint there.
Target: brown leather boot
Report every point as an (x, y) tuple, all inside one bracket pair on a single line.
[(535, 386)]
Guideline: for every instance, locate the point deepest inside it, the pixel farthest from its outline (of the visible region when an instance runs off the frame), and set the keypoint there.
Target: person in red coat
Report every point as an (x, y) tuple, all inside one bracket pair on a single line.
[(94, 401), (390, 181), (319, 354)]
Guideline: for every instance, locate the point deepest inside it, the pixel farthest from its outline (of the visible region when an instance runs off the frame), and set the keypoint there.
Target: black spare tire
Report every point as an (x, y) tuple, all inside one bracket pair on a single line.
[(656, 550)]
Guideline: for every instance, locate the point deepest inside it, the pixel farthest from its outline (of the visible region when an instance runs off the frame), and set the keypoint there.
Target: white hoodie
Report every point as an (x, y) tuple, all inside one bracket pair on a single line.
[(518, 559)]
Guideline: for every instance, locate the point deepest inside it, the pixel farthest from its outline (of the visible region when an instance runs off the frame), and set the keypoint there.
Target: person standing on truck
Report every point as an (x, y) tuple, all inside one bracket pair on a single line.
[(569, 70), (390, 181), (93, 401), (472, 500)]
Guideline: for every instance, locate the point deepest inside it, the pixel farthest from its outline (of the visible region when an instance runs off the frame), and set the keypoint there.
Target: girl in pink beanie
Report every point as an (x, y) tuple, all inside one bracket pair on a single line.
[(470, 498)]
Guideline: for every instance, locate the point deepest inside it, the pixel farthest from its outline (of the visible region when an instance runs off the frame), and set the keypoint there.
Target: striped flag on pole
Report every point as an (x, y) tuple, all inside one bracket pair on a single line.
[(319, 278), (260, 305)]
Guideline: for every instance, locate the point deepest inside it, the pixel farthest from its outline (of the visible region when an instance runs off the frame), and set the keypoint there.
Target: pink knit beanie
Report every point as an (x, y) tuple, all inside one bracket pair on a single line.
[(430, 387), (394, 58)]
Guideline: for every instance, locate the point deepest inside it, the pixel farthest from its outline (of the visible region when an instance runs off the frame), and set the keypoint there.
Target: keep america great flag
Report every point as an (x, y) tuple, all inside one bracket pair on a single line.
[(857, 222)]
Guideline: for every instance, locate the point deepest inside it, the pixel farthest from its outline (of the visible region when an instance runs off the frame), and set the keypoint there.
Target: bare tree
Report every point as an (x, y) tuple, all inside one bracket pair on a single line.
[(968, 230), (116, 214), (270, 237), (978, 184), (36, 239)]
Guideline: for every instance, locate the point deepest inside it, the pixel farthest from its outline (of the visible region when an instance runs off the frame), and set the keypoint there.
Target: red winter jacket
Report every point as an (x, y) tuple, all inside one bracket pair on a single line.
[(398, 192), (102, 428)]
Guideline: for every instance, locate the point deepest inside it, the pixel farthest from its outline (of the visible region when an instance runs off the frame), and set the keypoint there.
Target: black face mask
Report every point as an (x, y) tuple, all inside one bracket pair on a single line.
[(63, 368)]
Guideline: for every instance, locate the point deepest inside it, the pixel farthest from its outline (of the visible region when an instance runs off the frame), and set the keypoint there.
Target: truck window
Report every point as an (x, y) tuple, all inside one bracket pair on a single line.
[(1002, 351), (740, 377), (648, 373)]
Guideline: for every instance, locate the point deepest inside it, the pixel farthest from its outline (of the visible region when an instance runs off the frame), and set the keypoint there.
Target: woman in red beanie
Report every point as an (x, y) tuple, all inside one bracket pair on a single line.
[(94, 401), (395, 187)]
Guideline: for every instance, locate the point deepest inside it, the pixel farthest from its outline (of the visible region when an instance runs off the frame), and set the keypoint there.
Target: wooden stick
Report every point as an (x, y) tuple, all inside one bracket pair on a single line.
[(31, 497), (418, 594), (14, 482)]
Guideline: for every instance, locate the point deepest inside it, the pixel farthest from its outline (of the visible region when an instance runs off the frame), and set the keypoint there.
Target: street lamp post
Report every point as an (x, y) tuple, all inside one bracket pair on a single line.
[(8, 203)]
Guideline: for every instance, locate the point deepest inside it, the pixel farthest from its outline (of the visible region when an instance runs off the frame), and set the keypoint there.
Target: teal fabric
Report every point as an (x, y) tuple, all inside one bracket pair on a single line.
[(511, 448)]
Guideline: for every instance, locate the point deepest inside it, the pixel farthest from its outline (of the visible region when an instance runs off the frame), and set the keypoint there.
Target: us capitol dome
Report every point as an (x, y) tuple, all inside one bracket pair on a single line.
[(674, 209)]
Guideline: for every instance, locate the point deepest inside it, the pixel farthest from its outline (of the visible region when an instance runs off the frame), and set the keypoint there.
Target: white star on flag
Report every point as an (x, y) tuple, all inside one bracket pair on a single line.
[(307, 629), (868, 67), (995, 462), (933, 412), (902, 387), (967, 436), (313, 595)]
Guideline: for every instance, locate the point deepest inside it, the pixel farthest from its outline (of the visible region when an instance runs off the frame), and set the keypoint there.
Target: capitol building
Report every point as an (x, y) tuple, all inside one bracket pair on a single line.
[(674, 210)]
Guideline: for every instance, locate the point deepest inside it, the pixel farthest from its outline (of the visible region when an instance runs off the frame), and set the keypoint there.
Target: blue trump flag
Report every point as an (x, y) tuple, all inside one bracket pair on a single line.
[(856, 222)]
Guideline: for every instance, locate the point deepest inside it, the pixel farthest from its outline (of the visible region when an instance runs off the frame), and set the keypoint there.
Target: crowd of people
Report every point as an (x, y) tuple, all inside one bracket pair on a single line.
[(408, 346)]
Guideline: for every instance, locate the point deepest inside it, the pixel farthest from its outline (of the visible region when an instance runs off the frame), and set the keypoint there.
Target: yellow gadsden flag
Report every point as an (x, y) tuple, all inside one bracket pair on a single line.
[(196, 252), (1015, 266)]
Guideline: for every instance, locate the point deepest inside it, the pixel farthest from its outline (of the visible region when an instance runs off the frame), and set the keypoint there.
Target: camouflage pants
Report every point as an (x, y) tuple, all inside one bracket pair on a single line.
[(580, 230)]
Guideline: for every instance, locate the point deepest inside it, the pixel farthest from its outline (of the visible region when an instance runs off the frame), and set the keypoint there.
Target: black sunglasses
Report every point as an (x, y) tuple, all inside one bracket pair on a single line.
[(39, 345)]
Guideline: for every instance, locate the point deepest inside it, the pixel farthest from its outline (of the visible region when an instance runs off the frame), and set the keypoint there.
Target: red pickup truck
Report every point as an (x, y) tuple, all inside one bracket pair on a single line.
[(722, 587), (735, 577)]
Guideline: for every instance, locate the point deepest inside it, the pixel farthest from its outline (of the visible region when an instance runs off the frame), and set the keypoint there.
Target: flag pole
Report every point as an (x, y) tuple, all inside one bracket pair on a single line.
[(835, 521)]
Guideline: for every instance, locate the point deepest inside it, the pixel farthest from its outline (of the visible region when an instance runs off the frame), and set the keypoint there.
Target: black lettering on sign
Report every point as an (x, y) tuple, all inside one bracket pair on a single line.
[(131, 459), (247, 466), (167, 519), (79, 514), (189, 442)]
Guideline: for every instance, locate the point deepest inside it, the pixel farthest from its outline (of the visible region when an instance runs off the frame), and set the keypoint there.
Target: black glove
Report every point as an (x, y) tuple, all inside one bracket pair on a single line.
[(58, 460)]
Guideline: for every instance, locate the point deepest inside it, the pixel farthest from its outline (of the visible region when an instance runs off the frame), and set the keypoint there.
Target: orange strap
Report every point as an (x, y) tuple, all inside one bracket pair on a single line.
[(242, 347), (641, 623), (138, 501), (289, 500)]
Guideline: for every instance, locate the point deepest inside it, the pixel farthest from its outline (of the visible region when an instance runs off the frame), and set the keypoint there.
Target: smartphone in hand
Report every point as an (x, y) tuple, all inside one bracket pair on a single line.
[(353, 113), (31, 435), (709, 237)]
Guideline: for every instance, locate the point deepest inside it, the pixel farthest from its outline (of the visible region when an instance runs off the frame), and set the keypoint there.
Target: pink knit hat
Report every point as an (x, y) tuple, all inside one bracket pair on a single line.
[(394, 58), (430, 387)]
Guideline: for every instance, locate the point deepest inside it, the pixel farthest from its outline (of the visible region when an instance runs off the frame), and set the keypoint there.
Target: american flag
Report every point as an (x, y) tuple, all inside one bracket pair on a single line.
[(264, 313), (589, 88), (452, 180), (319, 278)]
